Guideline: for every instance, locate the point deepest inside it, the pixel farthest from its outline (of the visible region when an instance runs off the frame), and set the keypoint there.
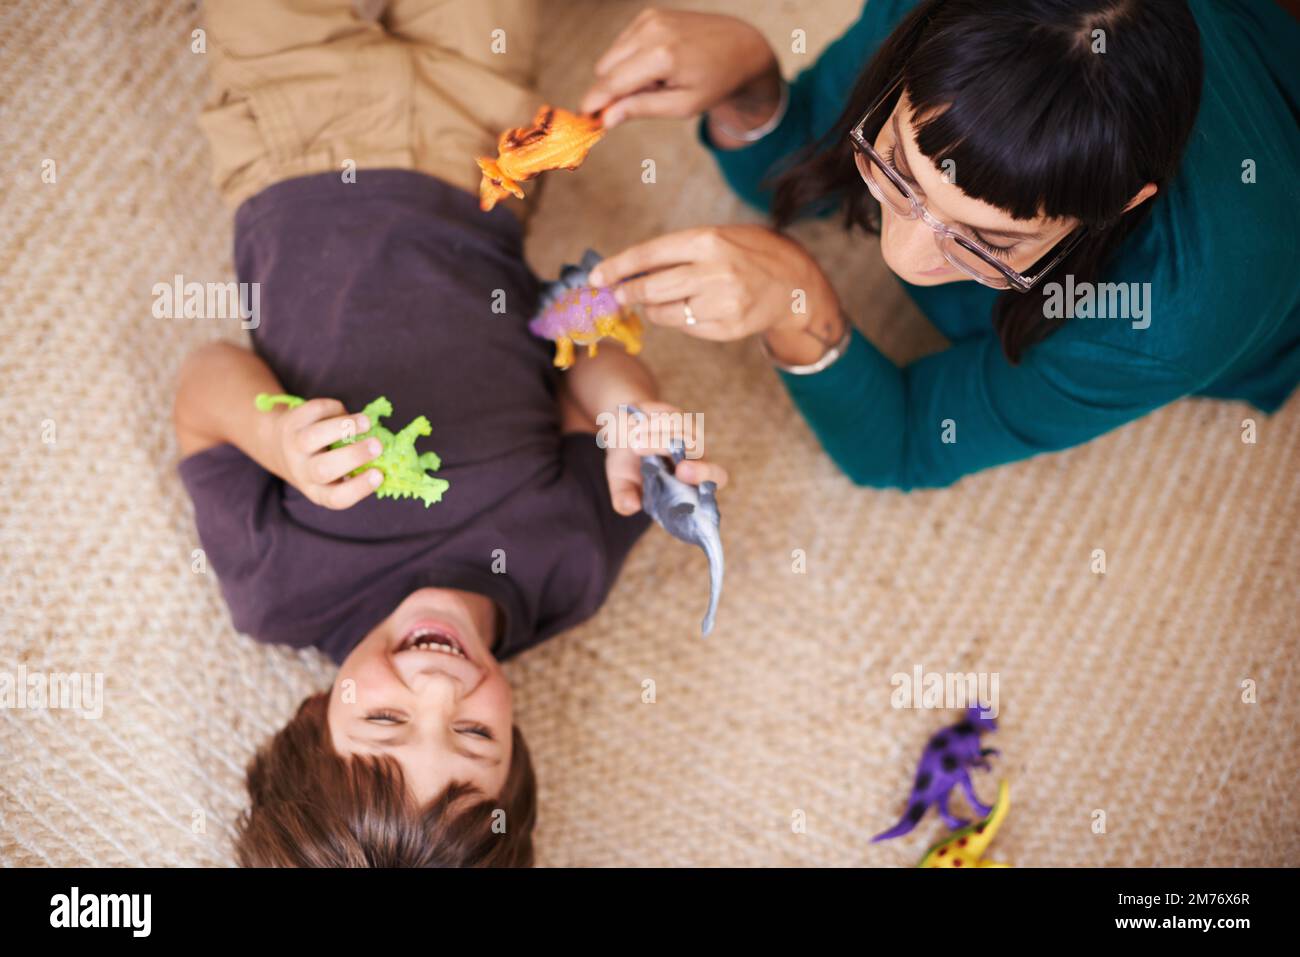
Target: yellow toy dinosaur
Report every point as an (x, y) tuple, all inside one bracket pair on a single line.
[(965, 847)]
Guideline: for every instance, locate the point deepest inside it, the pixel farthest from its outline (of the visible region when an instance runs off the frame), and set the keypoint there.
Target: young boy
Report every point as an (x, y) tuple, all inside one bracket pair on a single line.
[(346, 137)]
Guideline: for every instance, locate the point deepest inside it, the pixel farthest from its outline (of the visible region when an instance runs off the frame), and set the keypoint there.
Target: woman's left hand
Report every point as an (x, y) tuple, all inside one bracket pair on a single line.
[(736, 280)]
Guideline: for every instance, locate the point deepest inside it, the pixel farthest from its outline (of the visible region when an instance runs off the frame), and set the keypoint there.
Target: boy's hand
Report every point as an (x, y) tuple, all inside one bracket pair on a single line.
[(623, 465), (302, 438)]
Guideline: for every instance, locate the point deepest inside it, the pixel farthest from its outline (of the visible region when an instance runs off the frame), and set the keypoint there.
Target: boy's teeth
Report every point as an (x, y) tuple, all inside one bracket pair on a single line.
[(428, 640)]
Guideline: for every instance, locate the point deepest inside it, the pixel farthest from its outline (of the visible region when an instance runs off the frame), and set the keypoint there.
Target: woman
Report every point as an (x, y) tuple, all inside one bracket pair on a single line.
[(1094, 200)]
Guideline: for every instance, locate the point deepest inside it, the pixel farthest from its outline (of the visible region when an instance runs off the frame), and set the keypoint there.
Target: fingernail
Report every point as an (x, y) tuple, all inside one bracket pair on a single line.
[(597, 277), (374, 447), (363, 423), (374, 477), (620, 296), (629, 504)]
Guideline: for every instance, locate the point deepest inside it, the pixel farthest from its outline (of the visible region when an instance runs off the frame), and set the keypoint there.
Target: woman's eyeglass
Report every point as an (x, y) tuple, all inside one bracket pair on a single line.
[(965, 253)]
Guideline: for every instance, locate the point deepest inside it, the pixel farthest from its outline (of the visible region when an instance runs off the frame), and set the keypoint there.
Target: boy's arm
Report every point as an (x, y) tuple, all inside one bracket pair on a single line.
[(601, 383), (215, 404)]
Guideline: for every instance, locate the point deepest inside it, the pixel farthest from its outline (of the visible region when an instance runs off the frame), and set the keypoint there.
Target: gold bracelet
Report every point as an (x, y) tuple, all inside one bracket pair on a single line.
[(830, 356)]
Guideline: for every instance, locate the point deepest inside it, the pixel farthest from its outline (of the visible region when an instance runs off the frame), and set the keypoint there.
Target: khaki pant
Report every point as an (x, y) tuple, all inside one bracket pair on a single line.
[(305, 86)]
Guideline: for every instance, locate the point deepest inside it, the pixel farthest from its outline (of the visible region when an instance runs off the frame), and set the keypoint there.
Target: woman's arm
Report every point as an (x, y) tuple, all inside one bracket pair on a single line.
[(674, 63), (816, 99), (966, 408)]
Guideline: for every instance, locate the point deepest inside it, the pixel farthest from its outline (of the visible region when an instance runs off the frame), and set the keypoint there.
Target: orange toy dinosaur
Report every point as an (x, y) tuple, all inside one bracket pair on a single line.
[(557, 139)]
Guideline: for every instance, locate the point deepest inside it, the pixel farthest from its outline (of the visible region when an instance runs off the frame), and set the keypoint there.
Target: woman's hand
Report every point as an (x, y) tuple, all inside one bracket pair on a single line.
[(671, 63), (652, 437), (737, 281), (301, 440)]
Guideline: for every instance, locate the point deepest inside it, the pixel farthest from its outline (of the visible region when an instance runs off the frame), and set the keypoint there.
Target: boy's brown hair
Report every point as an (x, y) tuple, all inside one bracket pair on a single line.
[(313, 807)]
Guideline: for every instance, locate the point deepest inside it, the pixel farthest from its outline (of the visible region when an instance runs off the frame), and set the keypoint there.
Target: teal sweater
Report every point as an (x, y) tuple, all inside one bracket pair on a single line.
[(1220, 255)]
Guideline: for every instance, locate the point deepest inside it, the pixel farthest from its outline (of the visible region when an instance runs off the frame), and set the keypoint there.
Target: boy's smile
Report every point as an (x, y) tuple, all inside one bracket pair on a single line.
[(424, 688)]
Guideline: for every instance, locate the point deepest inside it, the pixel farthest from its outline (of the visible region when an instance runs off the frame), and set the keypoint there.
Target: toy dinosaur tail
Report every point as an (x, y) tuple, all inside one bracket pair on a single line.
[(540, 326), (905, 824), (495, 185), (711, 542)]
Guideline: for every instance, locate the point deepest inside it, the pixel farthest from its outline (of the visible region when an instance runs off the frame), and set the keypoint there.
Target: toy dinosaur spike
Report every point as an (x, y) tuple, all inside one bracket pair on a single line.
[(571, 311), (966, 847), (944, 764), (688, 513), (403, 468)]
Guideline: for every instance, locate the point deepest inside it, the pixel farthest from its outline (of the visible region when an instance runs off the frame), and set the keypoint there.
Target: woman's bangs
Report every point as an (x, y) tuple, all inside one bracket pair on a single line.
[(1022, 140)]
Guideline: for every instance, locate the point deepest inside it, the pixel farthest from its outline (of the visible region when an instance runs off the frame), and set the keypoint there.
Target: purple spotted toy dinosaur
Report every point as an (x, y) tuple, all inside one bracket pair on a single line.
[(944, 764), (571, 312)]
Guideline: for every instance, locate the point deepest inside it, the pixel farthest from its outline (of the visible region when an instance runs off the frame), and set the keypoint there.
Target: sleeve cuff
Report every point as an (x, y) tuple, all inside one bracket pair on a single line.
[(846, 371), (745, 168)]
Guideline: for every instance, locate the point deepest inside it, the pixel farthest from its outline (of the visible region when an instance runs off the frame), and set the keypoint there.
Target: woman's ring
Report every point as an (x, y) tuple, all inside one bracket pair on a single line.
[(690, 316)]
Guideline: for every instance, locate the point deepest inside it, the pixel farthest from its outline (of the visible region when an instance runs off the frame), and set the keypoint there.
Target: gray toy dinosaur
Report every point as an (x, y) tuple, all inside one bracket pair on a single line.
[(687, 512)]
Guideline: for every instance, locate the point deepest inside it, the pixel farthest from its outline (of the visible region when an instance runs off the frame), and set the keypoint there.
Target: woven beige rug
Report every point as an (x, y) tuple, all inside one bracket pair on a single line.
[(1159, 698)]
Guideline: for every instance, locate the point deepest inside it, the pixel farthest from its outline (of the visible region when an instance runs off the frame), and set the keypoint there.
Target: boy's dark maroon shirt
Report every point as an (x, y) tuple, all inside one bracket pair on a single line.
[(387, 286)]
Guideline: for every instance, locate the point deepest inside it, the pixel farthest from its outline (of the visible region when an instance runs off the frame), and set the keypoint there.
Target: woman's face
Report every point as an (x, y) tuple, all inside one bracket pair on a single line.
[(908, 245), (445, 715)]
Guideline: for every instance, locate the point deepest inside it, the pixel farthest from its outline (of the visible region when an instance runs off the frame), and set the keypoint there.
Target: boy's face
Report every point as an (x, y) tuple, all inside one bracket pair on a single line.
[(444, 715)]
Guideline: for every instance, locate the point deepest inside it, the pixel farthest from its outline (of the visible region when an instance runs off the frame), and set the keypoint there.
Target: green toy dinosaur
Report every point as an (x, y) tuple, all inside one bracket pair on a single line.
[(403, 468)]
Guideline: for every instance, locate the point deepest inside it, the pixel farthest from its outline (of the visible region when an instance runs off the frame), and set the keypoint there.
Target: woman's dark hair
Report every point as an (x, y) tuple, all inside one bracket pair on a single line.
[(1035, 120)]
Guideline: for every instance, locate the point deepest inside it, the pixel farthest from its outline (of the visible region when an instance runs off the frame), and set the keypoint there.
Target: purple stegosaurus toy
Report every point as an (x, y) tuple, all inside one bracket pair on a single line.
[(571, 312)]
